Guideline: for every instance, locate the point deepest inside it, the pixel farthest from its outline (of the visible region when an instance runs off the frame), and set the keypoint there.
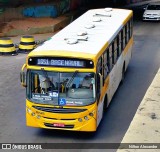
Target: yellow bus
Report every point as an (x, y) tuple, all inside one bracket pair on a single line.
[(71, 78)]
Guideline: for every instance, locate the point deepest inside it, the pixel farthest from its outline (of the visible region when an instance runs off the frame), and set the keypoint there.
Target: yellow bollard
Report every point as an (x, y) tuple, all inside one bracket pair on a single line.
[(7, 47), (27, 44)]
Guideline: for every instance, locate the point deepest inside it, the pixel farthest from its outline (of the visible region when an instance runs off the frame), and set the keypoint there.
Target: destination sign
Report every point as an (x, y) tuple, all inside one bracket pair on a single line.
[(60, 62), (66, 63)]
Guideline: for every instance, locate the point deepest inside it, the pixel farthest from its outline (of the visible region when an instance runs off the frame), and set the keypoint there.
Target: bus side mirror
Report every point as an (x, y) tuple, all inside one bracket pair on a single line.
[(23, 79), (23, 76)]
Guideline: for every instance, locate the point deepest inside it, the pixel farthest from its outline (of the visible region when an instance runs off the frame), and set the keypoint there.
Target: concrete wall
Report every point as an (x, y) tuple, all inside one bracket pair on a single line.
[(60, 7), (124, 2)]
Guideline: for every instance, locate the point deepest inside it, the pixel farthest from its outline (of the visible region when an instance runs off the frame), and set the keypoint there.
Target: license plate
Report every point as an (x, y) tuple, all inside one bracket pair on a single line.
[(58, 125)]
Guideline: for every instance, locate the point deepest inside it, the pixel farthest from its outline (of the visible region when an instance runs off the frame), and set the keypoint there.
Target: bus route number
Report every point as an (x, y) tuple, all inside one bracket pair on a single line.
[(43, 62)]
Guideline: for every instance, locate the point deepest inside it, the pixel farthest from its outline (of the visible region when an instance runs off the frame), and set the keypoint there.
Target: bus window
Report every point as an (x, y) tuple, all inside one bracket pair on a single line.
[(120, 43), (99, 66), (105, 69), (98, 87), (124, 38), (127, 32), (110, 58), (122, 46), (118, 53), (130, 28), (115, 50)]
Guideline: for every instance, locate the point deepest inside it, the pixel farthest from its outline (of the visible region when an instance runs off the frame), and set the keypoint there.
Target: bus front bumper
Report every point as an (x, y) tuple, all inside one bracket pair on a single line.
[(87, 123)]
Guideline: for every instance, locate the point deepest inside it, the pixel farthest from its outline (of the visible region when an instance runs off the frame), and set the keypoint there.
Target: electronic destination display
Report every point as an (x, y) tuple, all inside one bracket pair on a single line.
[(60, 62), (54, 62)]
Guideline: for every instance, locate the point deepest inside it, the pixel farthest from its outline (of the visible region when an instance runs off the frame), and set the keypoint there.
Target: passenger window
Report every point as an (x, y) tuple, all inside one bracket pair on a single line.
[(127, 32), (130, 28), (99, 66), (122, 40), (115, 50), (124, 43), (118, 54), (110, 58), (106, 70), (120, 44), (126, 35)]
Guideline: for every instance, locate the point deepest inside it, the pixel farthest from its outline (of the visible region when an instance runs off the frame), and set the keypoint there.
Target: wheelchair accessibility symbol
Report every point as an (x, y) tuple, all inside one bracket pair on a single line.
[(62, 102)]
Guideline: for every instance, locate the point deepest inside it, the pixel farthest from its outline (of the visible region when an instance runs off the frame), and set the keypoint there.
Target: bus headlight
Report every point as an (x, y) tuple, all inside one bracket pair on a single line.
[(33, 114), (86, 118), (29, 110), (91, 114), (80, 120), (38, 116)]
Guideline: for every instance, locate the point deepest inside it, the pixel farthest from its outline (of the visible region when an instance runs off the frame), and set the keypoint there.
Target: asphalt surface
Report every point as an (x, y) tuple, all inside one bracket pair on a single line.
[(141, 71), (143, 133)]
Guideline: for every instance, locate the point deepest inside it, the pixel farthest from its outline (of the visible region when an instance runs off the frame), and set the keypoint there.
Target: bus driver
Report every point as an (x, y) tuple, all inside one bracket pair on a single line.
[(86, 82)]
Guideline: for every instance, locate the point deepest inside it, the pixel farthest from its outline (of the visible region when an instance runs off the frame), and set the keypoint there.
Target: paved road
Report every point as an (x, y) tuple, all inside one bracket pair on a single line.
[(142, 69)]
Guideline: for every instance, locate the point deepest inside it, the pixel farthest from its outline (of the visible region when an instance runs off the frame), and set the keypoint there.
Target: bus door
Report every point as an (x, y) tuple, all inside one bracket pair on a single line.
[(99, 90)]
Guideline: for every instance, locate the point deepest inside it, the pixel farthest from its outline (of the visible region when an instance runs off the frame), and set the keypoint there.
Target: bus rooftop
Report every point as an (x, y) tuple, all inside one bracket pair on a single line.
[(87, 34)]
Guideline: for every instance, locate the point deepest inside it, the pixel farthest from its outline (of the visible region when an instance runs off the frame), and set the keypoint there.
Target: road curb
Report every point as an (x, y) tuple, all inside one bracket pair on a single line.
[(145, 126)]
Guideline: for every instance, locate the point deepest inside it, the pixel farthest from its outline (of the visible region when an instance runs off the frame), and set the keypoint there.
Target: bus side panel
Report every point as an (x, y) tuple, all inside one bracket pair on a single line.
[(100, 111), (118, 73), (128, 53), (115, 75), (112, 82), (104, 93)]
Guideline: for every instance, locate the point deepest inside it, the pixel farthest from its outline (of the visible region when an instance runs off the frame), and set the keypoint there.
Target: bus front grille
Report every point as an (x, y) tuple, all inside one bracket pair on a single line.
[(59, 110), (59, 119)]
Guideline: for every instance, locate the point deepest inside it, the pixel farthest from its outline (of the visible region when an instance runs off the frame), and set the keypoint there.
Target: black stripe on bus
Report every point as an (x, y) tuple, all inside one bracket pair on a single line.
[(59, 110)]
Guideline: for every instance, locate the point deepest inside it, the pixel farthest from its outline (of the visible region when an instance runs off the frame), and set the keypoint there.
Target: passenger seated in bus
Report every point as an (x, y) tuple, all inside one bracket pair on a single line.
[(45, 84), (86, 82)]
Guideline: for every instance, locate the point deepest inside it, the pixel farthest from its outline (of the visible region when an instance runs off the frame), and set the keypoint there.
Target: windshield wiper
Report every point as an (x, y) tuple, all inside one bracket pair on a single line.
[(71, 79)]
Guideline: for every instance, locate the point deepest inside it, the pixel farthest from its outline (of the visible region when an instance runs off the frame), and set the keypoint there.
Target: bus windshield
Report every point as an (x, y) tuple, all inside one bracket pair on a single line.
[(61, 88)]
